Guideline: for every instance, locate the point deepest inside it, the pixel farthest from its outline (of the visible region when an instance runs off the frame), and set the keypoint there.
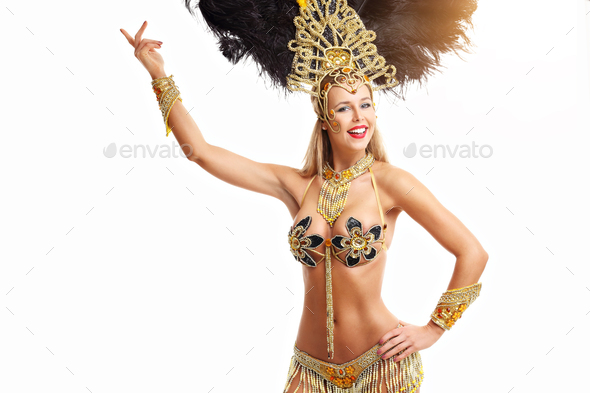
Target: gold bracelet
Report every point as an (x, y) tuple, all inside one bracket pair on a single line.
[(452, 303), (166, 93)]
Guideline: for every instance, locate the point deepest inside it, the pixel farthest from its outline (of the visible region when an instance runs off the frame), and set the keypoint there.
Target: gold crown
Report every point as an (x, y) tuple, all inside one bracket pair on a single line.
[(331, 36)]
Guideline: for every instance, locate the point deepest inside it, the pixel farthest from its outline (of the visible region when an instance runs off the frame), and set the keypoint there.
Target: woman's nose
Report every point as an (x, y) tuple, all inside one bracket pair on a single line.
[(358, 114)]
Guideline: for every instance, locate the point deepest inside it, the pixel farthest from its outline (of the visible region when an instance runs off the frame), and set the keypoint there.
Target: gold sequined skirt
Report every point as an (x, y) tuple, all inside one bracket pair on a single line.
[(367, 373)]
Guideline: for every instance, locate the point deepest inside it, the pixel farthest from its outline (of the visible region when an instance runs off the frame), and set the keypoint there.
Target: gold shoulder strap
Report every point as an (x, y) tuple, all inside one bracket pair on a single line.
[(307, 188), (379, 204)]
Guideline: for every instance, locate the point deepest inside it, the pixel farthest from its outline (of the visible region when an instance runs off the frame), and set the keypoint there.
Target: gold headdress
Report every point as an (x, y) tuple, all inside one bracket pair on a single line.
[(331, 40), (411, 34)]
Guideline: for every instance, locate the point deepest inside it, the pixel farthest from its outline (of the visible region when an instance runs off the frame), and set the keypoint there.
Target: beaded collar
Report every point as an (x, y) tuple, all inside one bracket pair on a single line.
[(334, 191)]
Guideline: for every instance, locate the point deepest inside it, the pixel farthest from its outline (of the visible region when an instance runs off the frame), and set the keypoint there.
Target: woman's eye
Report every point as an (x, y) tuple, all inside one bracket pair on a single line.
[(344, 107)]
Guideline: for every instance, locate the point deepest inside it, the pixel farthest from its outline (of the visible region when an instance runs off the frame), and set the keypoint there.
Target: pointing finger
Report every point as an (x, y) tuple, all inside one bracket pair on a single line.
[(140, 32)]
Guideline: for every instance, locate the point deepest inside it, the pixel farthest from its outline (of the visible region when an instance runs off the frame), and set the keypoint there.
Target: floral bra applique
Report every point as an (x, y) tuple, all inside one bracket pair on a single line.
[(358, 244)]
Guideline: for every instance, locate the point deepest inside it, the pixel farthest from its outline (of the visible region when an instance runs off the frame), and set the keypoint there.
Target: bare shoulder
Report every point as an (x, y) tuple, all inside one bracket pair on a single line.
[(389, 172), (289, 176), (395, 183), (393, 177)]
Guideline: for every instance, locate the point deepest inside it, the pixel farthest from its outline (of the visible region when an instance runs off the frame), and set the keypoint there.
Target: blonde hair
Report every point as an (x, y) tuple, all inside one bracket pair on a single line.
[(319, 148)]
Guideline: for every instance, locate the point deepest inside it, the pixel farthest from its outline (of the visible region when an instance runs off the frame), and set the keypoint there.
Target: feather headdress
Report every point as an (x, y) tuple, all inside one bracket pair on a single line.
[(411, 35)]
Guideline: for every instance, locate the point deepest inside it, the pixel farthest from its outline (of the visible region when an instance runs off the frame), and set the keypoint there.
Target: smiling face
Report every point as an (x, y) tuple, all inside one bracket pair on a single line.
[(354, 115)]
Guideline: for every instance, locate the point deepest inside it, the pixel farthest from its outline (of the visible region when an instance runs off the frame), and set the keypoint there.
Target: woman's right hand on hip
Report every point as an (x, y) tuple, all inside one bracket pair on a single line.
[(145, 52)]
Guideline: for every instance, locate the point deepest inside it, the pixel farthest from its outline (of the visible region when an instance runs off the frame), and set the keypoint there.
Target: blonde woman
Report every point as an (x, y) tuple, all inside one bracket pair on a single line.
[(353, 241)]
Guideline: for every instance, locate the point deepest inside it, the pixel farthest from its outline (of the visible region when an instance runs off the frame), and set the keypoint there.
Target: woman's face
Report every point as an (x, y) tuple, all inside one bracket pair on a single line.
[(354, 115)]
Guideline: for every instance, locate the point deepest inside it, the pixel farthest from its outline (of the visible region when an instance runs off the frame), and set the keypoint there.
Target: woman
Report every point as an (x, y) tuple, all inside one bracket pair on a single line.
[(362, 327)]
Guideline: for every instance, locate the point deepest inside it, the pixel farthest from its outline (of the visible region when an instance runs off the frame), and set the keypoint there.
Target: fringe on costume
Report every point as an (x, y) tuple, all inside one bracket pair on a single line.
[(404, 376)]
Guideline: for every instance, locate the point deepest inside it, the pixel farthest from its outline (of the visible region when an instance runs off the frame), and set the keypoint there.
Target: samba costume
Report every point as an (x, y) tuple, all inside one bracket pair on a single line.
[(361, 373), (332, 47)]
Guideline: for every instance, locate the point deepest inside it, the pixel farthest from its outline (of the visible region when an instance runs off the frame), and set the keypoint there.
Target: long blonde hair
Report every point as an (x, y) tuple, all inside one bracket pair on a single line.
[(319, 148)]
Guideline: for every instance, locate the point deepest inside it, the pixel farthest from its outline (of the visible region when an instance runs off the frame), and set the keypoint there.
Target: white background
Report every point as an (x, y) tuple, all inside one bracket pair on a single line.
[(132, 274)]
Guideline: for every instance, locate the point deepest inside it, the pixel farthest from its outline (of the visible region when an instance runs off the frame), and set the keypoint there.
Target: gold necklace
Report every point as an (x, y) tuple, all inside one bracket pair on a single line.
[(336, 185)]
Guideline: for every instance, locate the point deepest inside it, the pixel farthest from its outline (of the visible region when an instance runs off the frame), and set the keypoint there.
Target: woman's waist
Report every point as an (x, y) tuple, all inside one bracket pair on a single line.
[(348, 319), (347, 307), (353, 335)]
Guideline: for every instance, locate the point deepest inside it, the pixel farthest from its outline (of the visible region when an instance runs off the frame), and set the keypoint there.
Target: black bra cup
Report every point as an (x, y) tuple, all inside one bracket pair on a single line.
[(359, 243)]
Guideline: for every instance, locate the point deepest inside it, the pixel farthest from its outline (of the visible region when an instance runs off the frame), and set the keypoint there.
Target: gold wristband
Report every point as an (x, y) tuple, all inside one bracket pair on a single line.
[(166, 93), (452, 303)]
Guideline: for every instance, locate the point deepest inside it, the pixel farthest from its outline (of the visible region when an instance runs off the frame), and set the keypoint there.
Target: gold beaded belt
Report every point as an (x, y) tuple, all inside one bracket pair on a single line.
[(342, 375), (346, 375)]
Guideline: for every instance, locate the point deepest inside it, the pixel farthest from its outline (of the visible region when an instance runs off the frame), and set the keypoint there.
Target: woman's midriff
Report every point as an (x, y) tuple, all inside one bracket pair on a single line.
[(360, 316)]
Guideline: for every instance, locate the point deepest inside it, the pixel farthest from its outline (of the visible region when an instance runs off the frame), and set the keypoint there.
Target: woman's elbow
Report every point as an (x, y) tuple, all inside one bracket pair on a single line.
[(482, 259), (483, 254), (475, 254)]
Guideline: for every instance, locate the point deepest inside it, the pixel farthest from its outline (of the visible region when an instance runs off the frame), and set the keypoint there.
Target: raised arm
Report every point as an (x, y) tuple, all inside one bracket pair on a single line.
[(269, 179), (278, 181)]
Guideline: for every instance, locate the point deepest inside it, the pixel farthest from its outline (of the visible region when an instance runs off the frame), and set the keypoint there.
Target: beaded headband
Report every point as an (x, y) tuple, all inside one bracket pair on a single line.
[(331, 40), (346, 78)]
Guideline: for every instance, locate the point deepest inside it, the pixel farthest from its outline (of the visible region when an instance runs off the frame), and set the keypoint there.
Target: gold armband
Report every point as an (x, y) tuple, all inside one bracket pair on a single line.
[(166, 93), (452, 303)]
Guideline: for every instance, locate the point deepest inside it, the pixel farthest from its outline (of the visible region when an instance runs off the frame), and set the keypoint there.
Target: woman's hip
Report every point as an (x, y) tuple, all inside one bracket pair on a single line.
[(307, 373)]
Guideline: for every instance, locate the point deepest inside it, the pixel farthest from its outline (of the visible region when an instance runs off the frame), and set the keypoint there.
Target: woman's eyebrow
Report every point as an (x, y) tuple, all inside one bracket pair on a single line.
[(348, 102)]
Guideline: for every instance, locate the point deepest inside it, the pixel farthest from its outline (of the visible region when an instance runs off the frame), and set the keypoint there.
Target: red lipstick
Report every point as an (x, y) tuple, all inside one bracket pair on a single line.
[(358, 135)]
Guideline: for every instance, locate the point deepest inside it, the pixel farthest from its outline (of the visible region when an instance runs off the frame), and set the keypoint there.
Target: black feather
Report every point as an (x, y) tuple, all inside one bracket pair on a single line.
[(411, 34)]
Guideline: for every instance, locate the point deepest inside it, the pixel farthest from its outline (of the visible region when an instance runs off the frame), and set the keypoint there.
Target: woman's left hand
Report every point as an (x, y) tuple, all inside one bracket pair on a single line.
[(411, 338)]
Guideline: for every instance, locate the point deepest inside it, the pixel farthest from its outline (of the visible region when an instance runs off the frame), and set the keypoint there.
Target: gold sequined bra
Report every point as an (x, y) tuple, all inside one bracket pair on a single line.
[(359, 244)]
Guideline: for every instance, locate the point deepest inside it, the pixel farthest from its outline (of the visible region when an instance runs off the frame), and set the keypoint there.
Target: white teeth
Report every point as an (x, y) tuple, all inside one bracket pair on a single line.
[(358, 131)]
